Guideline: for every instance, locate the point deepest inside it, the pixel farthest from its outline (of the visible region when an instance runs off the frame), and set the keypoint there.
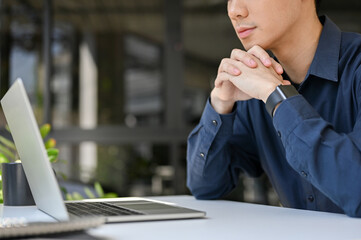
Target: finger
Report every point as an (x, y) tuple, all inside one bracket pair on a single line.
[(221, 78), (228, 67), (261, 54), (244, 57), (277, 67), (286, 82), (267, 61)]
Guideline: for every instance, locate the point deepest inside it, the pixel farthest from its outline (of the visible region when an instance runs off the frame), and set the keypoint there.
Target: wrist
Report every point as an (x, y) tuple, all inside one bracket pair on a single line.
[(281, 93), (221, 106), (272, 87)]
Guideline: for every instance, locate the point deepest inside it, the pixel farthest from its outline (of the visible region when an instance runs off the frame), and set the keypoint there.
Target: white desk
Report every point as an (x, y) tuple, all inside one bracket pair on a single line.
[(225, 220), (233, 220)]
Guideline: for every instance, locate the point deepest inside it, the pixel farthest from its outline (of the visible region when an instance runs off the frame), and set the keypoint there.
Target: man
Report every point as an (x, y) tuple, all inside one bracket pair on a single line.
[(298, 120)]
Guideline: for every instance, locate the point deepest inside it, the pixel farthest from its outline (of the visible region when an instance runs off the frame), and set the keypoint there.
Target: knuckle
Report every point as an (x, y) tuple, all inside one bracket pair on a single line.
[(258, 47), (254, 49), (225, 66), (236, 51), (219, 76), (225, 61), (222, 64), (258, 51)]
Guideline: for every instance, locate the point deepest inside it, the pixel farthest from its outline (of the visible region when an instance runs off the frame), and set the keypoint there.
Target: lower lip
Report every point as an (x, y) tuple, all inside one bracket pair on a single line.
[(245, 33)]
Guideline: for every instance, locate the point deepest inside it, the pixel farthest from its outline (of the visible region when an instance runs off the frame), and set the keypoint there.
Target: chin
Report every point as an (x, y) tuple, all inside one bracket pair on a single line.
[(249, 44)]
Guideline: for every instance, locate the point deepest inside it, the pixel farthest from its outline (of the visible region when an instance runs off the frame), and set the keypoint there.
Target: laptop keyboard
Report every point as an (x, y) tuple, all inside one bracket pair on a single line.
[(86, 209)]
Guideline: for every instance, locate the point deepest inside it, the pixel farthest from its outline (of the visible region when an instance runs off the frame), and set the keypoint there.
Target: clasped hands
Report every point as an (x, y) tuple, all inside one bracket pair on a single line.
[(243, 76)]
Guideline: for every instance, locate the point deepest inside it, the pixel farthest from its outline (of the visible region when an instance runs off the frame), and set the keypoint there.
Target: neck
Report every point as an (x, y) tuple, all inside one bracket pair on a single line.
[(296, 50)]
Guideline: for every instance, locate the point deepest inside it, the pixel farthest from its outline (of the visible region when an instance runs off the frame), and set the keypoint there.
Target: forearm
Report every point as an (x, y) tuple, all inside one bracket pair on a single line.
[(212, 181), (219, 148), (329, 160), (207, 157)]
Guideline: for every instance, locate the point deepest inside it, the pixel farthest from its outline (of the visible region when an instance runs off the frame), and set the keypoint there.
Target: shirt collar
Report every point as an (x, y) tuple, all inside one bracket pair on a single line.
[(325, 61)]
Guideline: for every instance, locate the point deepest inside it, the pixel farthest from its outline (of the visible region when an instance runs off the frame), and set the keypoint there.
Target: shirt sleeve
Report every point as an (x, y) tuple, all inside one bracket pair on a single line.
[(329, 160), (212, 166)]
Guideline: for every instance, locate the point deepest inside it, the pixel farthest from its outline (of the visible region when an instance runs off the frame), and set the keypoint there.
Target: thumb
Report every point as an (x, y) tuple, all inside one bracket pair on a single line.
[(286, 82)]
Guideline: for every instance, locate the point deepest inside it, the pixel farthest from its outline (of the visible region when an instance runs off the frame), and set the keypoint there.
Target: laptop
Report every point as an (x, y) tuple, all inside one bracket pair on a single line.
[(45, 188)]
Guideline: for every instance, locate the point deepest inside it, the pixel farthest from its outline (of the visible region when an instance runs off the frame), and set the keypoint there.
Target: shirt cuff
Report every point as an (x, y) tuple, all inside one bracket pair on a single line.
[(215, 122), (290, 113)]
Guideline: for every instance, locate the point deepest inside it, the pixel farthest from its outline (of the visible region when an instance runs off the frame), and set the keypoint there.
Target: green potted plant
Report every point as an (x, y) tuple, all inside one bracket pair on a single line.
[(8, 154), (9, 158), (8, 151)]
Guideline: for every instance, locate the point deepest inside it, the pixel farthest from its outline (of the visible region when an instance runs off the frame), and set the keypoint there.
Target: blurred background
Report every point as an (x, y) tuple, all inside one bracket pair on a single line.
[(124, 82)]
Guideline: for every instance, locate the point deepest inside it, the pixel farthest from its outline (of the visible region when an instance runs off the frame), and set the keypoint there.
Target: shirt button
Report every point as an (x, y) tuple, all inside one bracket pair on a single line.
[(304, 174), (310, 198), (215, 123), (202, 155), (279, 133)]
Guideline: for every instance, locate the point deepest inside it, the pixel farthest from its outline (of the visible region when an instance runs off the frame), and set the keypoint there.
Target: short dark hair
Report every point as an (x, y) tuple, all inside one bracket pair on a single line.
[(318, 4)]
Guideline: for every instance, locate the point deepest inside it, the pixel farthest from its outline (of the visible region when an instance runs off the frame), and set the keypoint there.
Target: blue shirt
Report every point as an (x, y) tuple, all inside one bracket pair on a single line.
[(310, 150)]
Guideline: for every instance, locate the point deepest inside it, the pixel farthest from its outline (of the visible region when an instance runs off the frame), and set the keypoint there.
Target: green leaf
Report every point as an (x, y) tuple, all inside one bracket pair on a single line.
[(3, 159), (44, 130), (63, 175), (63, 190), (99, 190), (77, 196), (52, 159), (110, 195), (50, 143), (52, 154), (89, 193), (7, 143), (52, 151), (6, 151), (68, 196)]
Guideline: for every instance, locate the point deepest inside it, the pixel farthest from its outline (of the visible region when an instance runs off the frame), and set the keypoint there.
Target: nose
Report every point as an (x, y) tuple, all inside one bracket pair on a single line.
[(237, 9)]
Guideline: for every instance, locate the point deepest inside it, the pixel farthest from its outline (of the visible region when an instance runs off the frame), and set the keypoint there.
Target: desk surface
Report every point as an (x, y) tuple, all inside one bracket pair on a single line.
[(224, 220), (235, 220)]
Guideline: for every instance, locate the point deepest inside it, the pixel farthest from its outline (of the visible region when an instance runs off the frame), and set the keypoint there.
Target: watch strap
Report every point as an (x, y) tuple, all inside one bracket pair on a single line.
[(281, 93)]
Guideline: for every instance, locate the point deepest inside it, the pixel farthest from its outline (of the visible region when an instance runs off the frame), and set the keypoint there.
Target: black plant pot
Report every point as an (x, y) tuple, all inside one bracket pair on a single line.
[(16, 190)]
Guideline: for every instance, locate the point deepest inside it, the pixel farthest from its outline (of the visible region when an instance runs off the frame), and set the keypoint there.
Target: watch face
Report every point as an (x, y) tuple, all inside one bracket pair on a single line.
[(281, 93), (288, 90)]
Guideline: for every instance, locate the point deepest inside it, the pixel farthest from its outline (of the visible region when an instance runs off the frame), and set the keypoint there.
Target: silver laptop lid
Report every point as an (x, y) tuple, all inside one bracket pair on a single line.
[(31, 149)]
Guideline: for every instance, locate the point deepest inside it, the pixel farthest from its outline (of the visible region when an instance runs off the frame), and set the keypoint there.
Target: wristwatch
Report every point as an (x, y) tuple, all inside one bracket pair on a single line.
[(281, 93)]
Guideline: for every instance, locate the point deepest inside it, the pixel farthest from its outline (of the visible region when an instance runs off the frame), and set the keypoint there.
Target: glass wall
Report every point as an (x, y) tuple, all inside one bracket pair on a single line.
[(109, 101), (128, 81)]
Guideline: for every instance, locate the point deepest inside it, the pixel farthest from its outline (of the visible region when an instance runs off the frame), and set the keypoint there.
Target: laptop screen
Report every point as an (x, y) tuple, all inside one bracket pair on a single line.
[(30, 146)]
